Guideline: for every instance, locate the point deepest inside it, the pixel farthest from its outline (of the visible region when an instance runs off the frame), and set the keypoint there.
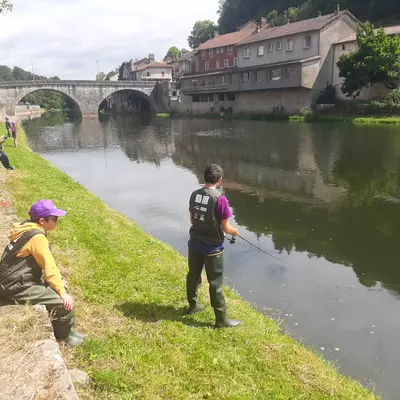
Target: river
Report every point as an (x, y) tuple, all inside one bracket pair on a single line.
[(323, 198)]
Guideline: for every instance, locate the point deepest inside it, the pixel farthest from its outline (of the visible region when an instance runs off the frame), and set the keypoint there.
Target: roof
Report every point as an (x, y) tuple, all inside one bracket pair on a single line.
[(155, 64), (307, 25), (141, 61), (228, 39), (389, 30), (186, 56)]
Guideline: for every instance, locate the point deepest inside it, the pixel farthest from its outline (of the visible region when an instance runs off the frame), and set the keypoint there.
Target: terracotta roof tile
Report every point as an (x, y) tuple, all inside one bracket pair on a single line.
[(389, 30), (313, 24), (228, 39)]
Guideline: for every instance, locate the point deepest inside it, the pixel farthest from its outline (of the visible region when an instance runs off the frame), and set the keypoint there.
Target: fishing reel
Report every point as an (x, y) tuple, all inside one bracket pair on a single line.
[(232, 240)]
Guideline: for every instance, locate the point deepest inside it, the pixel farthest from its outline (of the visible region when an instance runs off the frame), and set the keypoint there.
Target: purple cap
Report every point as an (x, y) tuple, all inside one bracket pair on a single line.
[(45, 208)]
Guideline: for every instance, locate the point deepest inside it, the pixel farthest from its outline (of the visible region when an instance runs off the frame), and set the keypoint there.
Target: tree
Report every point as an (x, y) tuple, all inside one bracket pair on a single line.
[(377, 60), (173, 53), (100, 76), (109, 75), (5, 6), (202, 31)]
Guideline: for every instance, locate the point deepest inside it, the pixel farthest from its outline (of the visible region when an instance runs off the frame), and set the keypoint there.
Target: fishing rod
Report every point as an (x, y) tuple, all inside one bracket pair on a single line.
[(232, 240)]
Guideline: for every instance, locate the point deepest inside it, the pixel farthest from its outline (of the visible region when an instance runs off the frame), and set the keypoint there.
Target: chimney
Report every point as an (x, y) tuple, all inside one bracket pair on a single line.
[(337, 9), (151, 57), (263, 22), (216, 34)]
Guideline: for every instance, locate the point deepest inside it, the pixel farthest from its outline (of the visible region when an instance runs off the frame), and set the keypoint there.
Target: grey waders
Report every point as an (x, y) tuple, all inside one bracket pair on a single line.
[(214, 266)]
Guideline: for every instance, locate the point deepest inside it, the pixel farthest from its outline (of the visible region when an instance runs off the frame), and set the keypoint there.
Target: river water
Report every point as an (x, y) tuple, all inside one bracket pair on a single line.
[(324, 198)]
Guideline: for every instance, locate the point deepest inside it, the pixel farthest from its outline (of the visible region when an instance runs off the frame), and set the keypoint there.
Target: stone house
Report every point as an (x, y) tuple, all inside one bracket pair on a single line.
[(181, 65), (128, 68), (280, 68), (348, 45), (155, 71)]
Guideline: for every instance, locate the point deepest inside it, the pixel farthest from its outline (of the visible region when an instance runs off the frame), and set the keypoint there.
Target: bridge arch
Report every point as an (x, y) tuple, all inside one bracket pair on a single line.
[(125, 99), (27, 92)]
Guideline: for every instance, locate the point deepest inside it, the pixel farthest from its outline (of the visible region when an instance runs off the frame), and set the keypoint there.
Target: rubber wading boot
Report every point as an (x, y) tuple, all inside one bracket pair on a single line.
[(65, 331), (194, 309), (222, 320)]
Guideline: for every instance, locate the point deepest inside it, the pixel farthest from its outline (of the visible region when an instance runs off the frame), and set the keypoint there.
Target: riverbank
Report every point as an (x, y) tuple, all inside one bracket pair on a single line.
[(130, 295), (307, 117)]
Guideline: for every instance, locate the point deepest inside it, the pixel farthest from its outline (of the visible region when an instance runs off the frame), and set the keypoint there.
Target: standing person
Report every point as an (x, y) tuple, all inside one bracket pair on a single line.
[(209, 216), (8, 127), (14, 130), (3, 156), (29, 275)]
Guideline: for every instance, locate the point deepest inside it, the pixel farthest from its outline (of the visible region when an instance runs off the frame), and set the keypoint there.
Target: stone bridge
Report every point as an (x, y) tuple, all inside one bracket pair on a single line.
[(86, 95)]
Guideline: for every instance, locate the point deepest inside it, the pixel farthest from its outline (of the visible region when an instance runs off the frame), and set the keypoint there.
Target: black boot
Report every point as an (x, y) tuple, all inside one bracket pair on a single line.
[(65, 331), (222, 320), (194, 309)]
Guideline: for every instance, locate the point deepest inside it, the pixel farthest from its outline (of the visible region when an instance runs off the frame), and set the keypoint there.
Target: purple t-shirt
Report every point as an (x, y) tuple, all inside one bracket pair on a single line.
[(223, 211)]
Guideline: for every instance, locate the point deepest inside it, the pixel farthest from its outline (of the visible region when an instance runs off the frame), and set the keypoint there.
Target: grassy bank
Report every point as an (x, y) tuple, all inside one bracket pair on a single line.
[(130, 291), (308, 117)]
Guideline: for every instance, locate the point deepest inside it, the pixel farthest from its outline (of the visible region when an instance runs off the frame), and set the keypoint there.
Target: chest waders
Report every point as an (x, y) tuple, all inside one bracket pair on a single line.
[(21, 283)]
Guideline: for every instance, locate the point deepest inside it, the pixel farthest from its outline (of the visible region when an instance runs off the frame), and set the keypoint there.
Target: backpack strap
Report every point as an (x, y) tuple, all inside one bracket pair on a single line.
[(16, 245)]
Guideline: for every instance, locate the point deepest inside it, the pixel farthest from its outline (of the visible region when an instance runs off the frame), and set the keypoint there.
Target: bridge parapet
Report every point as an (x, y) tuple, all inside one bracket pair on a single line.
[(78, 83)]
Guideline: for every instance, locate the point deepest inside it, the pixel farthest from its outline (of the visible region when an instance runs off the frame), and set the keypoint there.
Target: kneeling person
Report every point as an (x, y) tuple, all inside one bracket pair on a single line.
[(29, 275)]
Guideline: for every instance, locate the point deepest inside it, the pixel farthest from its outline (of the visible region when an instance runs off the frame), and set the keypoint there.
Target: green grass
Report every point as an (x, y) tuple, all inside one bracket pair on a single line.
[(163, 115), (130, 291)]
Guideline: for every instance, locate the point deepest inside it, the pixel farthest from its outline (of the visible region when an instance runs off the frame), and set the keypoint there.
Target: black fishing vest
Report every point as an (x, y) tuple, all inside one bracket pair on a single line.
[(206, 227), (18, 274)]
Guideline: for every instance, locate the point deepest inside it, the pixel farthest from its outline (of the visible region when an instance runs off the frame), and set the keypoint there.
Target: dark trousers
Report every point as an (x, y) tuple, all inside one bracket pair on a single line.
[(214, 266), (4, 160), (63, 321)]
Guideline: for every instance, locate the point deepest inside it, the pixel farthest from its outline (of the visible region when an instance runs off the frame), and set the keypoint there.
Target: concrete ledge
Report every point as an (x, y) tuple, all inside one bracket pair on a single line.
[(31, 365)]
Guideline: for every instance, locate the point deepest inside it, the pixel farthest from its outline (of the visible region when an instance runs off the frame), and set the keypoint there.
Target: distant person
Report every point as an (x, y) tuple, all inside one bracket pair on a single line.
[(209, 216), (29, 275), (14, 131), (8, 127), (3, 156)]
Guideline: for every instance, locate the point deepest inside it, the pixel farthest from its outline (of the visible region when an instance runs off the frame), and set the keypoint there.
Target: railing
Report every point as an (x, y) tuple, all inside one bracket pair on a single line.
[(78, 83), (205, 89)]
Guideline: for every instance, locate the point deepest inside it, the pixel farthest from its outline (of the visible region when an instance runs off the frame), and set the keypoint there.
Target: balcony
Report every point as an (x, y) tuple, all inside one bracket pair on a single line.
[(205, 89)]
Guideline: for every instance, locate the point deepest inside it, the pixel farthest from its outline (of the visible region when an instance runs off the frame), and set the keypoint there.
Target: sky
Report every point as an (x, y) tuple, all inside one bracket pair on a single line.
[(67, 37)]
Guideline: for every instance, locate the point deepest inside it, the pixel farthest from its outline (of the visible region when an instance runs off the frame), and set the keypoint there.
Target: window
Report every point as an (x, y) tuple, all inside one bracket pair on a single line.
[(230, 49), (222, 49), (221, 97), (226, 63), (217, 50), (217, 64), (235, 62), (289, 45), (278, 46), (162, 74), (291, 71), (260, 51), (211, 52), (275, 74), (307, 42), (204, 98), (260, 76), (203, 54), (148, 73), (246, 53), (194, 83), (344, 47), (270, 47), (211, 81), (196, 99), (230, 96), (202, 82), (223, 79), (230, 79), (247, 76), (207, 65)]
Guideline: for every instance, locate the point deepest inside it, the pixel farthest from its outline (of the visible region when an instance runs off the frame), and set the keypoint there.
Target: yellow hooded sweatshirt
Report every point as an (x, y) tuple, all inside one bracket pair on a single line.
[(38, 247)]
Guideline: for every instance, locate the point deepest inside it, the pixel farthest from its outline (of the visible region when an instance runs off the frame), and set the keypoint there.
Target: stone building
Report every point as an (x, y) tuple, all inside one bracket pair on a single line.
[(128, 68), (349, 45), (154, 72), (280, 68)]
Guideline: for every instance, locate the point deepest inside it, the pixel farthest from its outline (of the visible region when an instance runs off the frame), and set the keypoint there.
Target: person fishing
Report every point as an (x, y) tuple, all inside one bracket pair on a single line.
[(14, 131), (29, 275), (8, 127), (209, 216), (3, 156)]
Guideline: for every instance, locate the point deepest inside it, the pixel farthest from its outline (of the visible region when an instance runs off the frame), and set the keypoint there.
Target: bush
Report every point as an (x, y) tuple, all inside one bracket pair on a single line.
[(328, 95)]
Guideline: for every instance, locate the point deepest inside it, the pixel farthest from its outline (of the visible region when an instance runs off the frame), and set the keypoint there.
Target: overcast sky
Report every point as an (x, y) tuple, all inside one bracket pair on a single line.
[(66, 37)]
